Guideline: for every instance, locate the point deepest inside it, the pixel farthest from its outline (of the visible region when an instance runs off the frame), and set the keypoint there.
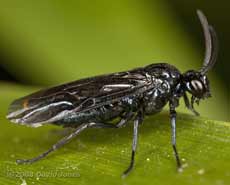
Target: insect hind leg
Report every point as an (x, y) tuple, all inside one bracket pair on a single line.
[(59, 144)]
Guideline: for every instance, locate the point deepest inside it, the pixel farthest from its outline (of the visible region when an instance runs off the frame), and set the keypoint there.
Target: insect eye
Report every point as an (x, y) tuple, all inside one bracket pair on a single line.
[(196, 85)]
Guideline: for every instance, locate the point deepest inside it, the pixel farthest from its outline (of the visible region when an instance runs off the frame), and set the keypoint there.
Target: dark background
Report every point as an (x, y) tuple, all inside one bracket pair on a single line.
[(219, 16)]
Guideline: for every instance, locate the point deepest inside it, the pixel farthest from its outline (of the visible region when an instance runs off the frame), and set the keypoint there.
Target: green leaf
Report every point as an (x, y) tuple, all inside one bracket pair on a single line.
[(99, 156)]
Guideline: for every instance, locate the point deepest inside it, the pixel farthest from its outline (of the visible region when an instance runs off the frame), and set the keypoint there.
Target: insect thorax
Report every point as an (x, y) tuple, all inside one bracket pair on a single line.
[(164, 82), (156, 98)]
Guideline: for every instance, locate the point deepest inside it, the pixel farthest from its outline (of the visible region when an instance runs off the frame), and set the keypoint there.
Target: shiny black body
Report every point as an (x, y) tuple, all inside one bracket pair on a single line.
[(130, 95), (101, 98), (119, 93)]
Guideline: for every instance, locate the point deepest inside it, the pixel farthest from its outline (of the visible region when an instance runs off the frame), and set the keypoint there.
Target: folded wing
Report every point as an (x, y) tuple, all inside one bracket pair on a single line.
[(51, 105)]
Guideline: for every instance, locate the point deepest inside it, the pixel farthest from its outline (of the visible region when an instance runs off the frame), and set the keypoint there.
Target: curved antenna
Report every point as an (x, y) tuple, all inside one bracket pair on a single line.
[(215, 49), (207, 36), (211, 43)]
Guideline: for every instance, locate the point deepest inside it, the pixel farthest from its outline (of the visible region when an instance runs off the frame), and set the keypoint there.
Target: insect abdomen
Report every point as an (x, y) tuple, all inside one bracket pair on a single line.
[(101, 114)]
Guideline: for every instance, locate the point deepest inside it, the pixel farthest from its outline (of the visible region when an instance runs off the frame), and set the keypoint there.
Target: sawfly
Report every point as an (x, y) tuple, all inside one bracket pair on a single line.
[(130, 95)]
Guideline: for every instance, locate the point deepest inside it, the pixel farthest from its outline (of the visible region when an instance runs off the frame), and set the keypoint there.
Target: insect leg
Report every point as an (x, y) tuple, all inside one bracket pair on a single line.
[(128, 116), (104, 125), (189, 106), (119, 124), (173, 127), (59, 144), (137, 121)]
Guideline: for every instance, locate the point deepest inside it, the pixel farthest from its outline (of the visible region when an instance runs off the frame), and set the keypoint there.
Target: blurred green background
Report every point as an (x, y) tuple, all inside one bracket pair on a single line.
[(49, 42)]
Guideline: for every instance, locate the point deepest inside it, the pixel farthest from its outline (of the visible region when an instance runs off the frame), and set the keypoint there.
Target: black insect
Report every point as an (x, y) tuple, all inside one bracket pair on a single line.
[(129, 95)]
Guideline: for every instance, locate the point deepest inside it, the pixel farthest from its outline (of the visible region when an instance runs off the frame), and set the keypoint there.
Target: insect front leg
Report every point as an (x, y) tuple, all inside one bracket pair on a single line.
[(138, 119), (59, 144), (173, 127), (189, 106)]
